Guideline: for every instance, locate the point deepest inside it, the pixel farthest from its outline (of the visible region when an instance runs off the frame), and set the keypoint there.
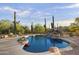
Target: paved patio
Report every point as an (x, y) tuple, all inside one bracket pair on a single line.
[(10, 47), (75, 50)]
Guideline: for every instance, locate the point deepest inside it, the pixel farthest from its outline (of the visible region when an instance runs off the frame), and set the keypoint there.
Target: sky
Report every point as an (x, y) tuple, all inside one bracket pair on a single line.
[(64, 13)]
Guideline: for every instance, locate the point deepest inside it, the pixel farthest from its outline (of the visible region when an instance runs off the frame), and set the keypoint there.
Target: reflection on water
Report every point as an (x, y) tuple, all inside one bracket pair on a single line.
[(40, 43)]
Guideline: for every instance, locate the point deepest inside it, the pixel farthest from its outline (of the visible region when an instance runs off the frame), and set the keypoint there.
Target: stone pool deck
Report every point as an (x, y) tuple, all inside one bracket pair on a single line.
[(75, 50), (10, 47)]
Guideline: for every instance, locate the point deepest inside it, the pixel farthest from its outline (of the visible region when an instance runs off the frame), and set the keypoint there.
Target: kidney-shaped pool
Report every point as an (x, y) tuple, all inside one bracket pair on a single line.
[(40, 43)]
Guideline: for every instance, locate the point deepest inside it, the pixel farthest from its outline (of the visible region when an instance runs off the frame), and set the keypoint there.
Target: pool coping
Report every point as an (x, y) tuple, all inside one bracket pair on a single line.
[(72, 43)]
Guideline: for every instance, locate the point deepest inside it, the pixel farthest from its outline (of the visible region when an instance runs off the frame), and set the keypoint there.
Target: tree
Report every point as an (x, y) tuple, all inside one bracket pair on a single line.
[(39, 28), (73, 28), (77, 21), (27, 30), (5, 26), (19, 29)]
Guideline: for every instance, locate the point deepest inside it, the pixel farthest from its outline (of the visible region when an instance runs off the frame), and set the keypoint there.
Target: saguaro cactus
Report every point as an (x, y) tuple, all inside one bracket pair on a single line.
[(14, 22), (32, 27), (45, 24), (52, 24)]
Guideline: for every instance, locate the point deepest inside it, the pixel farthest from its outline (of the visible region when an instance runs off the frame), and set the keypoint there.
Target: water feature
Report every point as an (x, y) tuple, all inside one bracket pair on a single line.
[(40, 43)]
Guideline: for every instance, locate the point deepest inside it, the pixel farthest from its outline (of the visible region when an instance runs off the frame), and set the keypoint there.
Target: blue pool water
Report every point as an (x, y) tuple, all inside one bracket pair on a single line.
[(41, 43)]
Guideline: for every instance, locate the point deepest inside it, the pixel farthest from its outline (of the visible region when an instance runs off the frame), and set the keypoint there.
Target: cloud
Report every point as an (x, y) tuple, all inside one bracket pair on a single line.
[(75, 5), (70, 6), (40, 14), (6, 8), (23, 13), (64, 22), (19, 12)]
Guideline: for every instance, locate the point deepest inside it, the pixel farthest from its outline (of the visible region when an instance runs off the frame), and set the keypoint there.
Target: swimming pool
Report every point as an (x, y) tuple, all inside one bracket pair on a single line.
[(40, 43)]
